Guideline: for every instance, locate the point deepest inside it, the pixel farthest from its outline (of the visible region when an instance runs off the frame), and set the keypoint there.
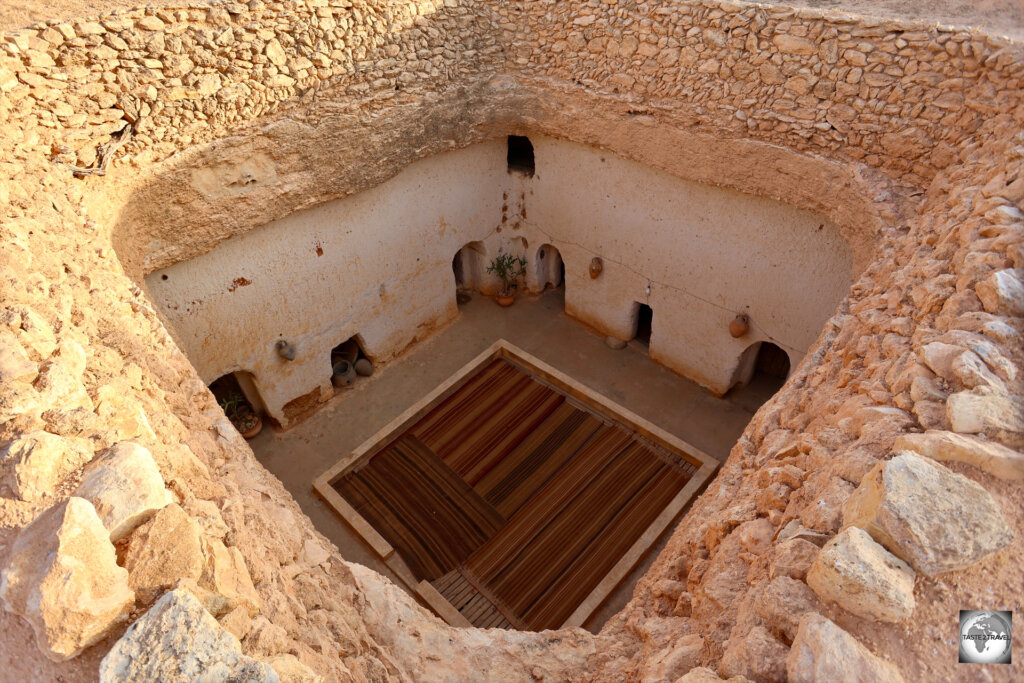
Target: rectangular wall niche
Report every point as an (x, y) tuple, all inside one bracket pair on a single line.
[(512, 496)]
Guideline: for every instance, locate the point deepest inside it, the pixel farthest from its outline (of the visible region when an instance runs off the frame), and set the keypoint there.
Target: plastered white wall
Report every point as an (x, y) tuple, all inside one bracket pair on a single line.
[(706, 253), (376, 264), (379, 264)]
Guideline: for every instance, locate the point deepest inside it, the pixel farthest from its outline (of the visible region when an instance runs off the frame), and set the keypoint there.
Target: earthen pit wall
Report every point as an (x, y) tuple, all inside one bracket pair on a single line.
[(378, 265), (128, 349)]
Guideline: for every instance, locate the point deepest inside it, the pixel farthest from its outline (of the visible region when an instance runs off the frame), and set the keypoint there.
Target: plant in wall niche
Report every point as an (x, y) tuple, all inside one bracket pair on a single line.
[(509, 268), (241, 415)]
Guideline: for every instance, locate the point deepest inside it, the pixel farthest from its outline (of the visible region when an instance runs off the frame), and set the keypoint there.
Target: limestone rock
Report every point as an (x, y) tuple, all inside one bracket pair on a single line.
[(126, 488), (782, 603), (177, 640), (793, 557), (939, 358), (161, 551), (932, 518), (863, 578), (63, 578), (824, 652), (36, 463), (984, 411), (15, 365), (674, 661), (225, 573), (1002, 292), (985, 455), (291, 670), (758, 655), (702, 674)]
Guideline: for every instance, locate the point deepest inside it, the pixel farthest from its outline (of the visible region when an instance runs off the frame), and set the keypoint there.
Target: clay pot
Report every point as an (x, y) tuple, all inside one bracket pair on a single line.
[(596, 266), (343, 375), (505, 299), (740, 325), (364, 368), (256, 426)]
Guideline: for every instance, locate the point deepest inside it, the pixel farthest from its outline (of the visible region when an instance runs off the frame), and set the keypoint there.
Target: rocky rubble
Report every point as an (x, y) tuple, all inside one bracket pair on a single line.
[(62, 577), (863, 578), (178, 640), (933, 519)]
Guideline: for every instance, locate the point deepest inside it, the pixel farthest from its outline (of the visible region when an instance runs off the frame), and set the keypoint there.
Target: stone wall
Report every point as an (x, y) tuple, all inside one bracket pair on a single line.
[(913, 132)]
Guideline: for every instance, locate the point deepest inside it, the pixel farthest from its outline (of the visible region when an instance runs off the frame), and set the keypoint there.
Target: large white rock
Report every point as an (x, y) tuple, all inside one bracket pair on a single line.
[(178, 640), (824, 652), (932, 518), (125, 486), (863, 578), (62, 577), (986, 411), (35, 464), (989, 456), (1002, 292)]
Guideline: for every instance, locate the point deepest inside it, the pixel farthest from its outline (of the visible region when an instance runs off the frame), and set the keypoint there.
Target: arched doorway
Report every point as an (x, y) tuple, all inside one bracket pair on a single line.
[(763, 369), (237, 391), (549, 267), (469, 267)]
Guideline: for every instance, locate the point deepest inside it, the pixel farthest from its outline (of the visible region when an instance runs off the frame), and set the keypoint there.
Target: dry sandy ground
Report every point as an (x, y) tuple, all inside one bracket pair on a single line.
[(1004, 17)]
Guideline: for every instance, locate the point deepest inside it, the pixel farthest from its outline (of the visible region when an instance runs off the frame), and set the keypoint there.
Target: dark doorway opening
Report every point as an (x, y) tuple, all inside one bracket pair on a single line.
[(348, 361), (550, 267), (644, 324), (761, 372), (238, 397), (772, 362), (520, 155), (460, 276)]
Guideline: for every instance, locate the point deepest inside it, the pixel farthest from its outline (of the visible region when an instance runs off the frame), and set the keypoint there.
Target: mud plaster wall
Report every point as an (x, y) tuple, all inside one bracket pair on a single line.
[(706, 254), (378, 264), (915, 127)]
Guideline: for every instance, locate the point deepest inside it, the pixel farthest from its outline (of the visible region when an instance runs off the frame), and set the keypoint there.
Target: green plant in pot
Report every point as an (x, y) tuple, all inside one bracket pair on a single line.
[(509, 269), (241, 414)]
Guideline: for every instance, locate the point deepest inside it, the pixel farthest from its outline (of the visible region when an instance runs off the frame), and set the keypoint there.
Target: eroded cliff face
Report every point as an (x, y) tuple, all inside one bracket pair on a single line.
[(907, 136)]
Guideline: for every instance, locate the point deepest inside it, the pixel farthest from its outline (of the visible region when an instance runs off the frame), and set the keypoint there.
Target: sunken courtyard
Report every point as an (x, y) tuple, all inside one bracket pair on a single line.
[(512, 340)]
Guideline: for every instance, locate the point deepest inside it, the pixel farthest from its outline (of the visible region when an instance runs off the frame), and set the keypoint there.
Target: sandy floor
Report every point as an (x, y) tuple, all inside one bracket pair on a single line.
[(538, 326), (1003, 17)]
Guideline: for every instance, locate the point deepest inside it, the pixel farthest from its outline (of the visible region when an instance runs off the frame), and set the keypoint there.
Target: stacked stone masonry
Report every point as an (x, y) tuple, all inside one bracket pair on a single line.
[(917, 130)]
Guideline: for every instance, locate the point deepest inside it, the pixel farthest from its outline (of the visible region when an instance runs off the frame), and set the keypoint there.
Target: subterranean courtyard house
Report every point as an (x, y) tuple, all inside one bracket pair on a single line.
[(755, 412)]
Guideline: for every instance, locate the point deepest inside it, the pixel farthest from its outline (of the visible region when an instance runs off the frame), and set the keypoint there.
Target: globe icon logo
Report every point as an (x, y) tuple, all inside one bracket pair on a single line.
[(985, 637)]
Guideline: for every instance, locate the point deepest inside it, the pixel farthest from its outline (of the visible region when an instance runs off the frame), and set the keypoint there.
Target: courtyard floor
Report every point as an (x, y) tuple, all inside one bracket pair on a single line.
[(539, 326)]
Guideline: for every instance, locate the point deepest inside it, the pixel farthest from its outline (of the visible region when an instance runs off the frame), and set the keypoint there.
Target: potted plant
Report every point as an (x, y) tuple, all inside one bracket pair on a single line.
[(509, 268), (241, 415)]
